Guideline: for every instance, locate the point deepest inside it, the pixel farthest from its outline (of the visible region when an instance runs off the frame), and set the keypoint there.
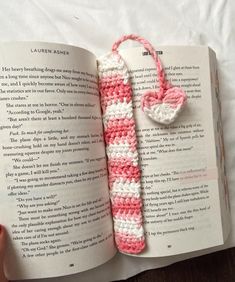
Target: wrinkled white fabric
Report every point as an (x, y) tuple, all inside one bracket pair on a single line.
[(95, 25)]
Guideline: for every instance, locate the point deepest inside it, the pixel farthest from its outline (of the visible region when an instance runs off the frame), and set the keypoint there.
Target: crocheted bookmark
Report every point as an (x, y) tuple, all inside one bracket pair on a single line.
[(121, 141), (121, 149)]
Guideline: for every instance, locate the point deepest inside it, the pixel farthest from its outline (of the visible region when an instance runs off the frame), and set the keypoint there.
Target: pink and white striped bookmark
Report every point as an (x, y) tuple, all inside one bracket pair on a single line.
[(162, 106)]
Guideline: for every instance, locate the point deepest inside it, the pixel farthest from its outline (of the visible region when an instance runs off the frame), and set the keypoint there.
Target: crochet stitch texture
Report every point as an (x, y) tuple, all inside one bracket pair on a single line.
[(121, 149)]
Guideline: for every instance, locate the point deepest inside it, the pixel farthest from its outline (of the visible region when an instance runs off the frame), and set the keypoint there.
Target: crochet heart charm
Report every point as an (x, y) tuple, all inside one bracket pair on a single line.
[(165, 105)]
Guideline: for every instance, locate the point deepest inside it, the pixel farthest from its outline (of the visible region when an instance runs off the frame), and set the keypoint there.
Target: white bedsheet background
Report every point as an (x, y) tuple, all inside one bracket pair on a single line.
[(95, 25)]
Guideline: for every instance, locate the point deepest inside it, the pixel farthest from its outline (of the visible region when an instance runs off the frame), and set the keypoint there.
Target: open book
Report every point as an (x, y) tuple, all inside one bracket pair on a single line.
[(54, 197)]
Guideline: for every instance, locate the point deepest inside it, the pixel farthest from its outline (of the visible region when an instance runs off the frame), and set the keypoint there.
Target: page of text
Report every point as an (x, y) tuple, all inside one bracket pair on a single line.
[(178, 161), (54, 196)]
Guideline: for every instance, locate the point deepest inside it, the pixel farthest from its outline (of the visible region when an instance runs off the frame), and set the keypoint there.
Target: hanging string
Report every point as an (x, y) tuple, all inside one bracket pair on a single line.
[(163, 84)]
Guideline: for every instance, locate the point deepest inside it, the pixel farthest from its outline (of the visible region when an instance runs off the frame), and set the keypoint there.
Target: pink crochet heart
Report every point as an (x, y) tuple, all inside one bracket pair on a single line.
[(165, 105)]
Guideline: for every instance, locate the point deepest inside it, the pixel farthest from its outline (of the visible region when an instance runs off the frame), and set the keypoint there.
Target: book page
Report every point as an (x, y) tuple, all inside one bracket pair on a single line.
[(54, 194), (178, 162)]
